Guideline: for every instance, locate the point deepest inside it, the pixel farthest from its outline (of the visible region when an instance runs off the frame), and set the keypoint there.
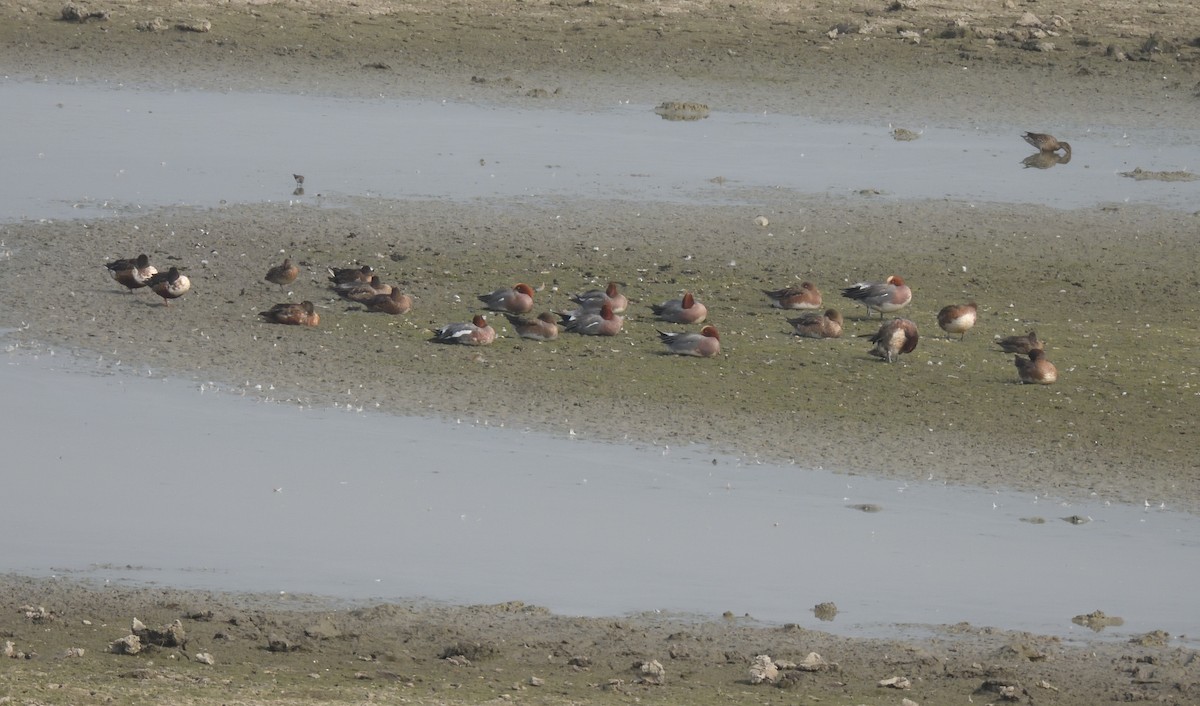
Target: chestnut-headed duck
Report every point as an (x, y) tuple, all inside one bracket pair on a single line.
[(706, 344), (283, 274), (169, 285), (816, 325), (132, 273), (342, 275), (1021, 344), (593, 299), (292, 314), (894, 338), (593, 323), (885, 297), (957, 318), (517, 299), (1036, 370), (395, 303), (543, 328), (681, 311), (1047, 143), (806, 296), (477, 332)]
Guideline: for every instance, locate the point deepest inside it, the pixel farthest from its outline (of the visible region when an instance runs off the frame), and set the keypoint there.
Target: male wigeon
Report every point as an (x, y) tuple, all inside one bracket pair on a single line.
[(957, 318), (283, 274), (1035, 370), (395, 303), (543, 328), (477, 332), (342, 275), (806, 296), (1021, 344), (885, 297), (818, 325), (132, 273), (292, 314), (706, 344), (681, 311), (894, 338), (362, 292), (517, 299), (593, 299), (1047, 143), (169, 285), (593, 323)]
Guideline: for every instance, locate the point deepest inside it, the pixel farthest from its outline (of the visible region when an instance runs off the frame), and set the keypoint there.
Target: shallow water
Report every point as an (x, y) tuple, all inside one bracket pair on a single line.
[(75, 150), (129, 476)]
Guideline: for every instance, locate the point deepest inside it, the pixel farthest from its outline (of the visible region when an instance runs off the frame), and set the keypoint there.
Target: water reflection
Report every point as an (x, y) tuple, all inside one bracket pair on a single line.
[(1045, 160)]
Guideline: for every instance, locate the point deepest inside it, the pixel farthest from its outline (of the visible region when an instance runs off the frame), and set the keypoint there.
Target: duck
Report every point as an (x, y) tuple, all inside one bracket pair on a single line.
[(542, 328), (362, 292), (706, 344), (283, 274), (476, 332), (394, 303), (517, 299), (806, 296), (1047, 143), (818, 325), (1035, 370), (894, 338), (686, 310), (885, 297), (169, 285), (593, 323), (342, 275), (133, 273), (957, 318), (292, 314), (592, 300), (1021, 344)]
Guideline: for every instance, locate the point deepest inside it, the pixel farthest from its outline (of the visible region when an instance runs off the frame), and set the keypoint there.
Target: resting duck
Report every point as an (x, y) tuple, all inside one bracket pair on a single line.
[(706, 344), (395, 303), (132, 273), (362, 292), (292, 314), (885, 297), (283, 274), (681, 311), (478, 332), (169, 285), (806, 296), (593, 299), (517, 299), (957, 318), (815, 325), (1021, 344), (342, 275), (894, 338), (593, 323), (1035, 370), (543, 328)]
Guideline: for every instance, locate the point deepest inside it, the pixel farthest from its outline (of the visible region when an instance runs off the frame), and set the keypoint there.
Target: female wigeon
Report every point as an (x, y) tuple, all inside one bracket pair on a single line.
[(1047, 143), (894, 338), (543, 328), (957, 318), (593, 323), (292, 314), (1021, 344), (593, 299), (885, 297), (133, 273), (169, 285), (806, 296), (681, 311), (478, 332), (815, 325), (517, 299), (283, 274), (395, 303), (1035, 370), (706, 344), (342, 275)]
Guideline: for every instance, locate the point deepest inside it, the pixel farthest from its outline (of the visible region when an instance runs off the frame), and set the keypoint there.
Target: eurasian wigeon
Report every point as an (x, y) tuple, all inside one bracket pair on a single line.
[(806, 296), (681, 311), (169, 285), (706, 344), (894, 338), (283, 274), (593, 323), (362, 292), (957, 318), (543, 328), (477, 332), (132, 273), (395, 303), (885, 297), (1035, 370), (517, 299), (1046, 143), (593, 299), (292, 314), (1021, 344), (816, 325), (342, 275)]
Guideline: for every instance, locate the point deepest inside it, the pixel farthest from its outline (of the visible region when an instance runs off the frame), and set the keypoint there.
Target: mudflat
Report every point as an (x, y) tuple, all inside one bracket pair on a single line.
[(1106, 288)]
